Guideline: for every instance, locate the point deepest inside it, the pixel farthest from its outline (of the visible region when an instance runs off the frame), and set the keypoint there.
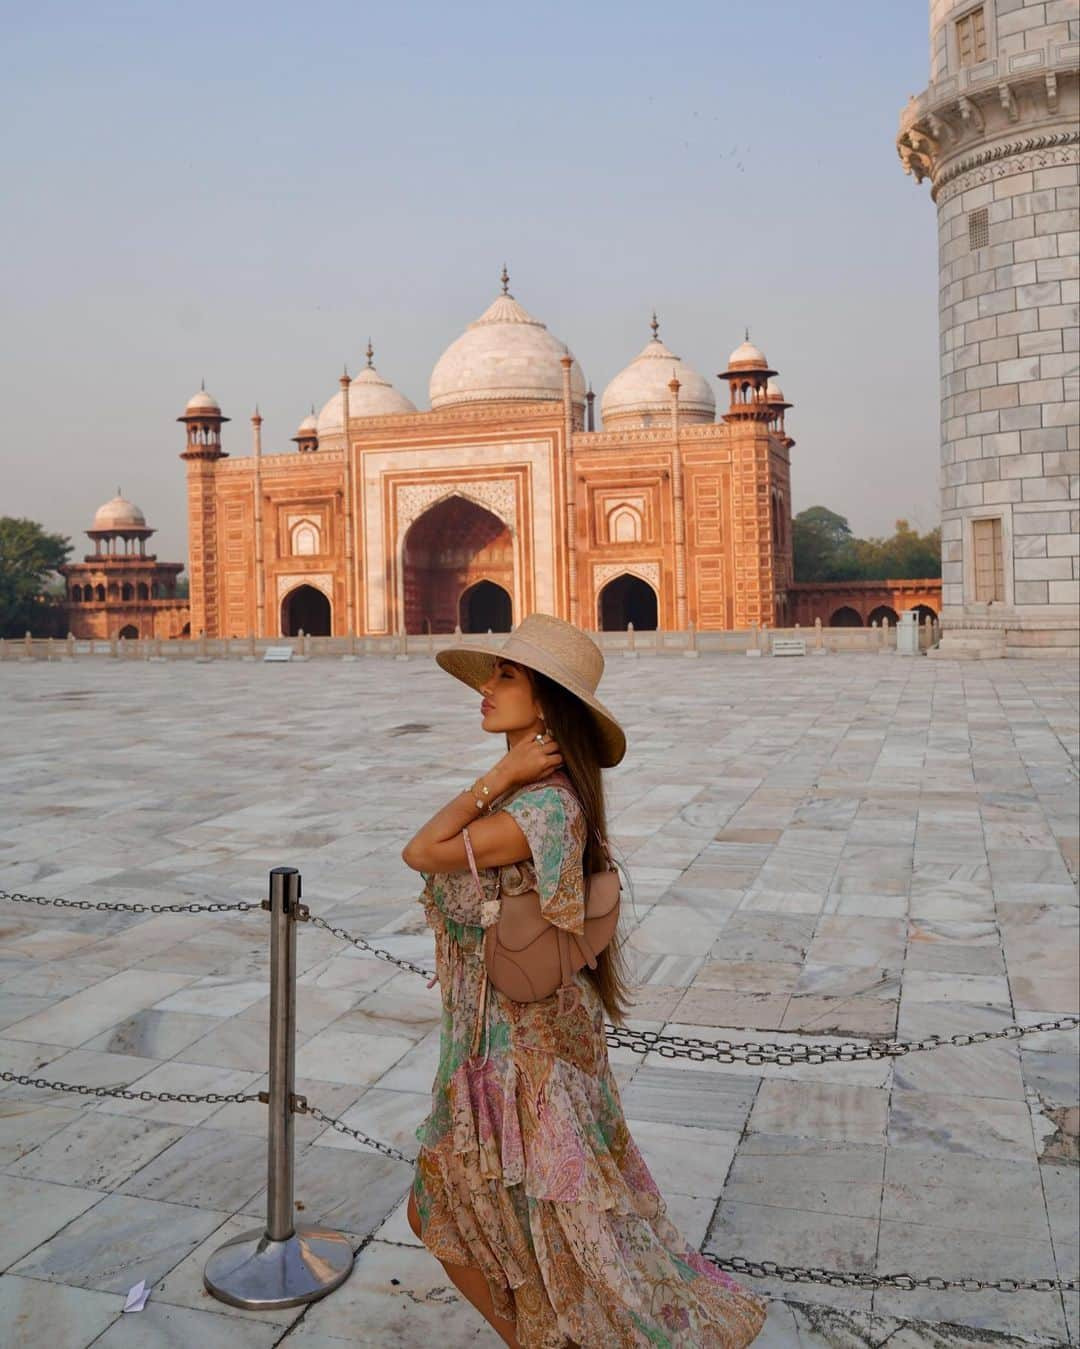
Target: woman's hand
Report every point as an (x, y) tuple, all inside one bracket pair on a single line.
[(529, 760)]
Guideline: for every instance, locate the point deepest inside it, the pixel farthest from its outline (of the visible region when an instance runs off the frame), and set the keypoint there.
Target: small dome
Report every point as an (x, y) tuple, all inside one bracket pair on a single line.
[(774, 393), (309, 425), (747, 357), (201, 404), (640, 393), (504, 355), (119, 513), (369, 396)]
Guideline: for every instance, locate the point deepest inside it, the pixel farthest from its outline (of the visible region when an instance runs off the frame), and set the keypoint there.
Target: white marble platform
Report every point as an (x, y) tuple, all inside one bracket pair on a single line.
[(853, 847)]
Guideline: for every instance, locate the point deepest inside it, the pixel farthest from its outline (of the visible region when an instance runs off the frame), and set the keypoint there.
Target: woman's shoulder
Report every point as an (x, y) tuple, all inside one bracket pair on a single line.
[(554, 793)]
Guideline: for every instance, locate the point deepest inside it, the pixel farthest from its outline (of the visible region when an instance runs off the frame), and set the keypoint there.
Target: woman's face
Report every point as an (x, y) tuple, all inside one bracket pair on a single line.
[(509, 704)]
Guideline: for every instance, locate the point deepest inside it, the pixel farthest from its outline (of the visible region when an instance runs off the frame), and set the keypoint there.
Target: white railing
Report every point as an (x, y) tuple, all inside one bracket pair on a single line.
[(819, 640)]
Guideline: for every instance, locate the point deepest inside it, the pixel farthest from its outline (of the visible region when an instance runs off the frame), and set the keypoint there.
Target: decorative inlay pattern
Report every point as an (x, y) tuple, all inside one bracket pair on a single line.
[(496, 495), (1002, 161), (320, 580), (603, 572)]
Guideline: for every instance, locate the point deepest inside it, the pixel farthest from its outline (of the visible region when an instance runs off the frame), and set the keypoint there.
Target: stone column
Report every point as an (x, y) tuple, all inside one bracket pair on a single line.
[(571, 505), (678, 511), (260, 573), (350, 546)]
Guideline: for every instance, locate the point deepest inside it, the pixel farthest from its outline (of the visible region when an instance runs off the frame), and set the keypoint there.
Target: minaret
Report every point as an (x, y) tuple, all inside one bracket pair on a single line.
[(203, 418), (256, 488), (347, 487), (996, 133)]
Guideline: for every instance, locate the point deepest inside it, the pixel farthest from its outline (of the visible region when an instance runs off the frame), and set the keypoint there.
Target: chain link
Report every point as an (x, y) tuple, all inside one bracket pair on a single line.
[(358, 1134), (363, 945), (837, 1278), (183, 1097), (764, 1052), (110, 906)]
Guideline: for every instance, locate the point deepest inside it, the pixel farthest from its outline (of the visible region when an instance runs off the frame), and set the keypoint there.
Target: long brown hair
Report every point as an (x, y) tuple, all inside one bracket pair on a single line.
[(570, 724)]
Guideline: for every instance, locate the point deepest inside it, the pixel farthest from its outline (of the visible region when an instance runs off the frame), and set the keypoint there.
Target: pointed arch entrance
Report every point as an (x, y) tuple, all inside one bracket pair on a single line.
[(307, 608), (449, 553), (484, 606), (628, 599)]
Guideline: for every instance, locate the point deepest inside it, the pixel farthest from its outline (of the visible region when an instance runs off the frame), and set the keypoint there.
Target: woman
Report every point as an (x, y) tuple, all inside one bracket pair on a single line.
[(528, 1188)]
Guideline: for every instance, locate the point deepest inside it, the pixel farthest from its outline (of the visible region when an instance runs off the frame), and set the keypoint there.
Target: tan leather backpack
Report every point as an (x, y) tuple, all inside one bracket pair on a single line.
[(528, 958)]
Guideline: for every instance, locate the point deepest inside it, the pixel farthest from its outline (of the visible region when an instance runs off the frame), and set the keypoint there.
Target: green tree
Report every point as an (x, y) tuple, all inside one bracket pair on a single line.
[(826, 550), (29, 559), (822, 546)]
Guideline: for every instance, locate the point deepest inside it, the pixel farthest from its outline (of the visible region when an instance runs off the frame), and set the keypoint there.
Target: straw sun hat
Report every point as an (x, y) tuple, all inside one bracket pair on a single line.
[(556, 649)]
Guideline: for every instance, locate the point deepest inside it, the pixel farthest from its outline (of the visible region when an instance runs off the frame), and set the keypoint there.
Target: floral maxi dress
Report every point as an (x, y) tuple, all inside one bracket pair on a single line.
[(527, 1170)]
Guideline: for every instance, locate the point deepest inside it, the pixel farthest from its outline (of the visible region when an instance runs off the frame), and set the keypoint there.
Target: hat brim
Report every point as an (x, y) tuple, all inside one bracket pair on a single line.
[(473, 666)]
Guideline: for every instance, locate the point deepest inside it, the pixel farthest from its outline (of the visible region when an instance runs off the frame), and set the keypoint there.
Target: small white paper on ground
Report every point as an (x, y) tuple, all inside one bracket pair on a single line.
[(137, 1296)]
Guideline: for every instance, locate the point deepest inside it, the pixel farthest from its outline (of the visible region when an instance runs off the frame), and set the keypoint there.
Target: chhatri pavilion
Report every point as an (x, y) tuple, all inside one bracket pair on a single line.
[(503, 498)]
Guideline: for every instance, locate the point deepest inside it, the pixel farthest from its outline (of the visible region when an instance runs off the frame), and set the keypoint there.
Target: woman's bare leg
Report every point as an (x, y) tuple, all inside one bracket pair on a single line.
[(471, 1284)]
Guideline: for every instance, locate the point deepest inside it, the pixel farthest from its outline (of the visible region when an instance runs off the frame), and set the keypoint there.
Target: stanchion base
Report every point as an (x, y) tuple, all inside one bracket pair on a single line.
[(253, 1271)]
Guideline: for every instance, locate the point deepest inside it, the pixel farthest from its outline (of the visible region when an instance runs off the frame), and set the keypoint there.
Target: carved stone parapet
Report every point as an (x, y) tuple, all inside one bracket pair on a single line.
[(943, 130)]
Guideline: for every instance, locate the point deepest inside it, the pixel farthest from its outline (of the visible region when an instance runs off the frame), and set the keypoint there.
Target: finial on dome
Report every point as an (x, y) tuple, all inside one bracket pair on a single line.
[(505, 279), (119, 493), (746, 333), (256, 416), (370, 354), (202, 385), (655, 326)]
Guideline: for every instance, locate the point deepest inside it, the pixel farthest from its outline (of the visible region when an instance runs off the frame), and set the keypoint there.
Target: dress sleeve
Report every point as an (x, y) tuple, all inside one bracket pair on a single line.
[(552, 821)]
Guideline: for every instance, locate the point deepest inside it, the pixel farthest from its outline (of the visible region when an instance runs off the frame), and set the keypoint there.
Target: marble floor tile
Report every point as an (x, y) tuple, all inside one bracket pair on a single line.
[(118, 1242), (96, 1151), (748, 976), (176, 1078), (792, 1237), (349, 1191), (820, 1110), (685, 1159), (76, 1019), (396, 1295), (977, 1125), (919, 1250), (808, 1174), (153, 1034), (354, 1057), (34, 1209), (715, 1006), (34, 1312), (204, 1168), (163, 1326), (388, 1116), (862, 1017), (964, 1194), (670, 1096)]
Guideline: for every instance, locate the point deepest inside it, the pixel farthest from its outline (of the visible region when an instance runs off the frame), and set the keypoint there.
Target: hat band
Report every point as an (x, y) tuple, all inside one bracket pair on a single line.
[(558, 671)]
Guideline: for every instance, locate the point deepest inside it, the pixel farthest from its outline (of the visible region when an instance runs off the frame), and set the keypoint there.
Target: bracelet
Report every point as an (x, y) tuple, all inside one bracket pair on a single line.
[(481, 794)]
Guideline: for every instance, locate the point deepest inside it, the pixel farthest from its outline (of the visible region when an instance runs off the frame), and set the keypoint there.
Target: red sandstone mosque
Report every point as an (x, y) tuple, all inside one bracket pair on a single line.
[(502, 499)]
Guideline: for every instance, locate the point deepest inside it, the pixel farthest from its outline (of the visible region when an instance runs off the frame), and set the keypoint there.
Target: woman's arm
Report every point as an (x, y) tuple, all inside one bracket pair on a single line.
[(496, 839)]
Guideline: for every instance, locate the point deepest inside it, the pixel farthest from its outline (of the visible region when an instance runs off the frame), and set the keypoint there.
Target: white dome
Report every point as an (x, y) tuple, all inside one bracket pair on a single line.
[(119, 513), (640, 392), (504, 355), (746, 356), (774, 393), (201, 403), (369, 396), (310, 423)]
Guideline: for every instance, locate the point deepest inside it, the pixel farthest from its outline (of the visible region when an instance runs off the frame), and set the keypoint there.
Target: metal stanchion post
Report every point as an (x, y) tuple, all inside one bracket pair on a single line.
[(285, 1264)]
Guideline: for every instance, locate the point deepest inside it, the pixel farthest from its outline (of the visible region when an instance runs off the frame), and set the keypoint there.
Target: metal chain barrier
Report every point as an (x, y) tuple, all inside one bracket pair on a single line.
[(111, 906), (364, 945), (836, 1278), (183, 1097)]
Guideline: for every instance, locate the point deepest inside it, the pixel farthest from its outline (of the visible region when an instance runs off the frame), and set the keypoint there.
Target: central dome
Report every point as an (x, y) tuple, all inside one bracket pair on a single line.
[(505, 355)]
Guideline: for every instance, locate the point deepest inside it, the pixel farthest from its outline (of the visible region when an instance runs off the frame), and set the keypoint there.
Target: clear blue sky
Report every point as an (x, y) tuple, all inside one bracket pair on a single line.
[(245, 192)]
